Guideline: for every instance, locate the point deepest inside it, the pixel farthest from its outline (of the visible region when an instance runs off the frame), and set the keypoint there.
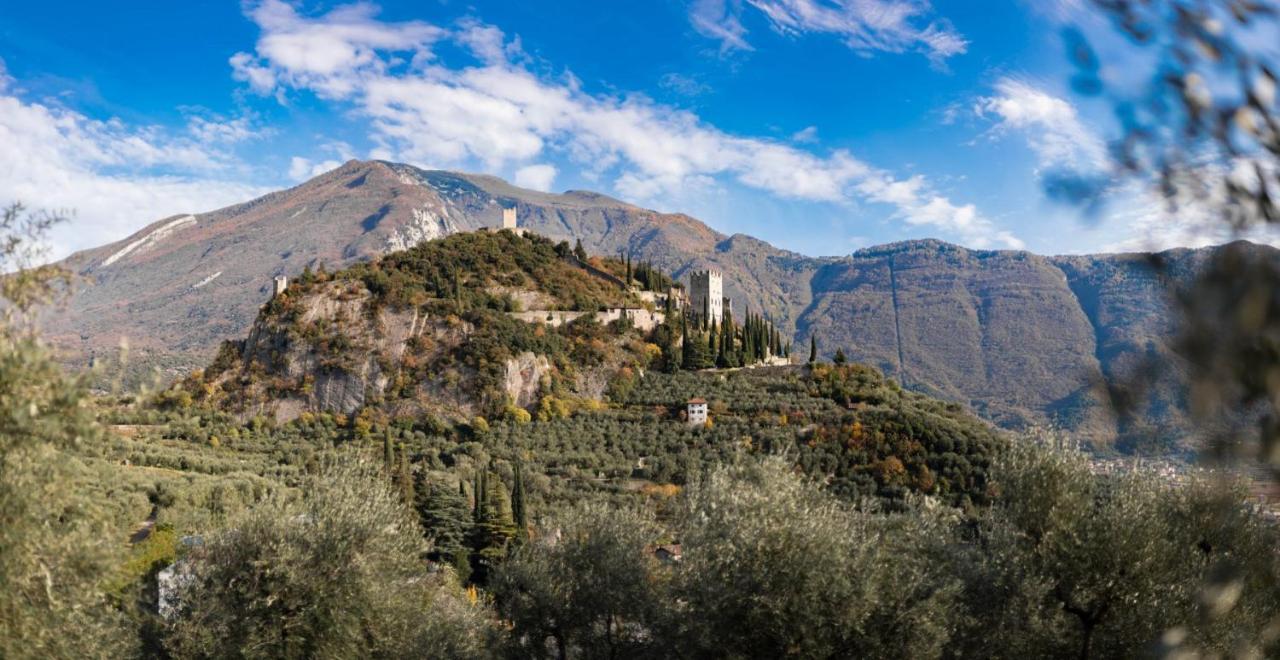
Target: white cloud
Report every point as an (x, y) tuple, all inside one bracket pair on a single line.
[(103, 171), (499, 114), (536, 177), (805, 135), (865, 26), (720, 20), (683, 85), (1051, 125), (219, 130), (301, 169)]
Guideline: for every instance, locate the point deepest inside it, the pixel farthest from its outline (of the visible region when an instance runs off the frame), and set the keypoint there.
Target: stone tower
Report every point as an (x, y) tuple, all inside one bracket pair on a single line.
[(706, 295), (509, 218), (278, 285)]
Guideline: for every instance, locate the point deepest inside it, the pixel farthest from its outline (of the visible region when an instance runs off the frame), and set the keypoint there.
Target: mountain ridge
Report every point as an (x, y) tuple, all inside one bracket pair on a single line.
[(1021, 338)]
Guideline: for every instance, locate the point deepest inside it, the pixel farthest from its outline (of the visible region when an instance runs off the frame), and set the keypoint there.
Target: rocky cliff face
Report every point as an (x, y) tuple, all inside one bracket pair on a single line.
[(1021, 338), (327, 353)]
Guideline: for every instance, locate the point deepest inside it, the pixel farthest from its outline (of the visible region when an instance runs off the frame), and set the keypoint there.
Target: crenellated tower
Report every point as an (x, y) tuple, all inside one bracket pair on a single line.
[(706, 295)]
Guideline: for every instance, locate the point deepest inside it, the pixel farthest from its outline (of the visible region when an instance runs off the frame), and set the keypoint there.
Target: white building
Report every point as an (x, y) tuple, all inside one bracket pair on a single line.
[(278, 285), (509, 218), (697, 412)]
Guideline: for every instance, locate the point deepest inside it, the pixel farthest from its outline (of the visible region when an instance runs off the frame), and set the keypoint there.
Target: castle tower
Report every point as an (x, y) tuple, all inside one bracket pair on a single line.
[(509, 218), (706, 295), (278, 285)]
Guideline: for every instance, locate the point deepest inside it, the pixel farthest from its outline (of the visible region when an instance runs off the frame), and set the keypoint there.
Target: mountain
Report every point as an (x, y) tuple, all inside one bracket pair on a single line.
[(1019, 337)]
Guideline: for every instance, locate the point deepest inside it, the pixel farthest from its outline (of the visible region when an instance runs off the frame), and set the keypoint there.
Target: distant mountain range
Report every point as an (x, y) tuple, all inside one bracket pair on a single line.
[(1023, 339)]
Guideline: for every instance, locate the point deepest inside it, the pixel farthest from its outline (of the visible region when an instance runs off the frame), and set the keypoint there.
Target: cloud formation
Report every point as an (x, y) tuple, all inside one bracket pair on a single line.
[(494, 112), (865, 26), (1051, 125), (536, 177), (105, 171)]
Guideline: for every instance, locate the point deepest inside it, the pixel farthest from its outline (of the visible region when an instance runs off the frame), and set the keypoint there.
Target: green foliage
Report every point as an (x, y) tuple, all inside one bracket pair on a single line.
[(1103, 565), (445, 515), (336, 573), (593, 592), (54, 547), (458, 293), (773, 567), (467, 271)]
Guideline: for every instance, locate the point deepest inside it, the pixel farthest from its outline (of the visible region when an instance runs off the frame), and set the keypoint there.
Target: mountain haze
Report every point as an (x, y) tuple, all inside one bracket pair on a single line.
[(1021, 338)]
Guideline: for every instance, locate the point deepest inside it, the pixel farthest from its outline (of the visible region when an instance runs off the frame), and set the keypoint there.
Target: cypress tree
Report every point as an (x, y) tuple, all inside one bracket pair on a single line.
[(444, 515), (840, 356), (628, 280), (477, 493), (579, 251), (388, 459), (405, 477), (813, 348), (518, 511), (686, 346), (722, 360)]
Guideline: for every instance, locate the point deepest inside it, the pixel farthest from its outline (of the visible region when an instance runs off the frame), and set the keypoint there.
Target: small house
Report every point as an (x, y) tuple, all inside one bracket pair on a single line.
[(697, 412)]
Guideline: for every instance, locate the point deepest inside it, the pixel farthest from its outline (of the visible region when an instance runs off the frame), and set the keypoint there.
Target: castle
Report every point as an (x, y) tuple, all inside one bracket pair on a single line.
[(706, 295)]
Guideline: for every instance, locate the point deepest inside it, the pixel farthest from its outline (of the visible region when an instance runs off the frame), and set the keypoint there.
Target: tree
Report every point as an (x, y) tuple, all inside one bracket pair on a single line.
[(404, 477), (840, 358), (494, 528), (55, 551), (596, 593), (446, 520), (336, 573), (774, 567), (579, 251), (519, 513), (697, 355), (813, 348), (1080, 564)]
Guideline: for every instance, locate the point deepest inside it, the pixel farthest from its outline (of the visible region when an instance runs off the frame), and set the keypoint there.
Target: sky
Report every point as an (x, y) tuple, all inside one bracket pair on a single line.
[(821, 126)]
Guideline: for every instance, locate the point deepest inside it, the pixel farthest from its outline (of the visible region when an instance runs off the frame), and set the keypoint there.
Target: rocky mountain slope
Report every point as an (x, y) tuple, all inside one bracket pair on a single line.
[(1020, 337), (432, 330)]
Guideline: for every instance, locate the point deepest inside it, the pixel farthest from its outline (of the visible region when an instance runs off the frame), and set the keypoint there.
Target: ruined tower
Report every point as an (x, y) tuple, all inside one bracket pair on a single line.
[(509, 218), (706, 295), (278, 285)]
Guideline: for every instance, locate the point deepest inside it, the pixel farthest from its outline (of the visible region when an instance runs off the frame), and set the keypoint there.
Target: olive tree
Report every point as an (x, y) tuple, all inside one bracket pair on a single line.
[(54, 550), (589, 591), (773, 566), (1075, 563), (337, 571)]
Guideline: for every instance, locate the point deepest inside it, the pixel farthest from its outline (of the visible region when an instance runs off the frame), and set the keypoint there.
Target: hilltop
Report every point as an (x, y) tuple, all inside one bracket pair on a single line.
[(480, 323), (1023, 339), (511, 341)]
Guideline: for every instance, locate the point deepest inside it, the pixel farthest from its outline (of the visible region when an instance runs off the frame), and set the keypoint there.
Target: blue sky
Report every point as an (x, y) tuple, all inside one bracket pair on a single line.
[(821, 126)]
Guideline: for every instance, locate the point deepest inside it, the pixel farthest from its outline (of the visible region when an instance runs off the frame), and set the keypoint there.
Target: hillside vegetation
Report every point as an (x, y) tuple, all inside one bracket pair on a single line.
[(428, 330), (822, 511), (1020, 338)]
